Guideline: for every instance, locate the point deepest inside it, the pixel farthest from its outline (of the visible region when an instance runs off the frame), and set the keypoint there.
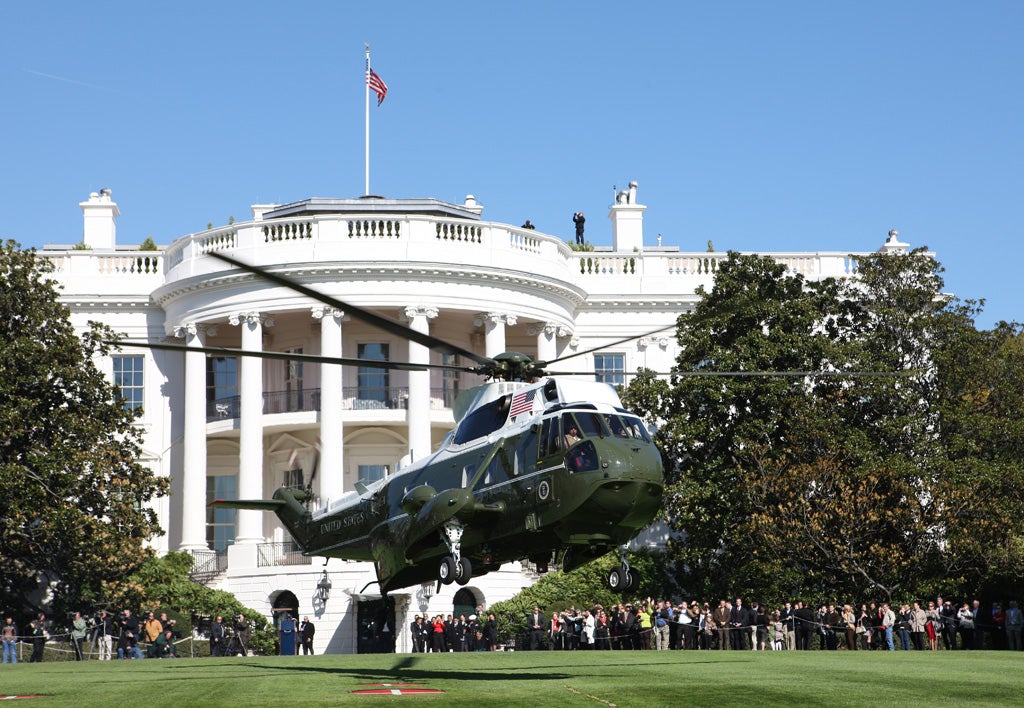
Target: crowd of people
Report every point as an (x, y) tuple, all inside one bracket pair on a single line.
[(123, 636), (735, 625), (445, 633)]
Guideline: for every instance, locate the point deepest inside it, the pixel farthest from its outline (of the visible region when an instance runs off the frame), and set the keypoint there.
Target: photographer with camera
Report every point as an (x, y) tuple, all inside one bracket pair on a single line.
[(579, 221), (37, 628), (78, 631), (103, 631), (128, 643), (240, 642)]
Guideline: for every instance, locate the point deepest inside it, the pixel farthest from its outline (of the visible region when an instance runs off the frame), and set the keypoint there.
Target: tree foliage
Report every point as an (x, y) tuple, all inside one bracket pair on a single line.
[(73, 496), (843, 485)]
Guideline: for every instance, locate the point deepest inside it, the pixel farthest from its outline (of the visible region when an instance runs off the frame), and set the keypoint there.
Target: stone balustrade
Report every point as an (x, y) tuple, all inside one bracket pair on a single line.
[(412, 239)]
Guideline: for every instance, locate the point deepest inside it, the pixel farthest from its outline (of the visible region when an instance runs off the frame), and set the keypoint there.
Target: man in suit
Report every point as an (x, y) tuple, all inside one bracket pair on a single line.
[(738, 623), (535, 624), (419, 645), (805, 625), (307, 631), (722, 616), (218, 633)]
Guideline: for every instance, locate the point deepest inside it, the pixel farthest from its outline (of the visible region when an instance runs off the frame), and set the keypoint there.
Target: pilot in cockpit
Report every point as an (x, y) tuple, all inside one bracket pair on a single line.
[(572, 435)]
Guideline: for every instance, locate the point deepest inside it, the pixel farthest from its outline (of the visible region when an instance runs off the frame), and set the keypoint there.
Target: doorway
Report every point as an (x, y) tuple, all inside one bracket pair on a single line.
[(376, 626)]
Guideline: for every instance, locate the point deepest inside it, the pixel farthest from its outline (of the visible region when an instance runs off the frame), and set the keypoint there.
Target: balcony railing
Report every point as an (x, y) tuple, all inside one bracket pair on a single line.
[(269, 555), (206, 564), (354, 398)]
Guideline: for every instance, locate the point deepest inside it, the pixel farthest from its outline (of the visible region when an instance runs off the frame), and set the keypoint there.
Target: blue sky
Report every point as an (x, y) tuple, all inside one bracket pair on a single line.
[(779, 126)]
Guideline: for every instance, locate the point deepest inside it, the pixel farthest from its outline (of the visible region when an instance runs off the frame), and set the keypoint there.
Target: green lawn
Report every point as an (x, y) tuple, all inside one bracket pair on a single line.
[(583, 678)]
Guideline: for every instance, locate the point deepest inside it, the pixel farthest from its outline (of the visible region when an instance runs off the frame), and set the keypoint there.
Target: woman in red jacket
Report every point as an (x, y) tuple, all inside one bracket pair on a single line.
[(437, 636)]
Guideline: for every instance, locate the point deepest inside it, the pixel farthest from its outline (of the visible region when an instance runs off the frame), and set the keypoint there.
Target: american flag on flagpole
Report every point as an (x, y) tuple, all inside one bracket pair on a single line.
[(377, 85), (522, 402)]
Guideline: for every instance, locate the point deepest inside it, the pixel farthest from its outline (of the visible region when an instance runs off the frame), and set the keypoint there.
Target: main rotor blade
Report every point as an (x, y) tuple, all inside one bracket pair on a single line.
[(750, 374), (609, 344), (388, 325), (285, 356)]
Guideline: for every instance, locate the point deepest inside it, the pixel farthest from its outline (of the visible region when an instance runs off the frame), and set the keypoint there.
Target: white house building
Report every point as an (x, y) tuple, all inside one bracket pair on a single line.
[(223, 428)]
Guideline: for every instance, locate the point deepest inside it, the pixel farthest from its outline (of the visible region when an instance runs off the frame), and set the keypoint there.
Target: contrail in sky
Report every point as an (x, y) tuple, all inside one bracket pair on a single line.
[(65, 79)]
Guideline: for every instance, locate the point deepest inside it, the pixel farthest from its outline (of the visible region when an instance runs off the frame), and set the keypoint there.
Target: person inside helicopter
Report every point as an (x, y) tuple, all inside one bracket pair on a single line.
[(572, 433)]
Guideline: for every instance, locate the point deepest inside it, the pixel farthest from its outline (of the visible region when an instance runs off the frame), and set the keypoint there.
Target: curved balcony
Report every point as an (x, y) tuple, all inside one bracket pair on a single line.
[(361, 241)]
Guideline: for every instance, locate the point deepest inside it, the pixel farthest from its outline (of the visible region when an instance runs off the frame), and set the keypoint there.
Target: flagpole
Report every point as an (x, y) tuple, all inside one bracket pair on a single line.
[(367, 82)]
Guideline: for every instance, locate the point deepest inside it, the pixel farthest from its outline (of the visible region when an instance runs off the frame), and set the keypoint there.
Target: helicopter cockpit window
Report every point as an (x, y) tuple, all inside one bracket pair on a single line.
[(627, 427), (591, 425), (571, 431), (636, 427), (483, 421)]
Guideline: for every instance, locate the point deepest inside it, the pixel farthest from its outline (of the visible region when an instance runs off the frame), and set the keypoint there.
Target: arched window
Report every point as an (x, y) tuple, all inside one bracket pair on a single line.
[(464, 603)]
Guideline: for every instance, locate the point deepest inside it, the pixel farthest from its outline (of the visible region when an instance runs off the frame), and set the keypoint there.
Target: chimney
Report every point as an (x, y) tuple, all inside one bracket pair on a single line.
[(100, 216), (258, 210), (627, 221), (471, 204), (894, 245)]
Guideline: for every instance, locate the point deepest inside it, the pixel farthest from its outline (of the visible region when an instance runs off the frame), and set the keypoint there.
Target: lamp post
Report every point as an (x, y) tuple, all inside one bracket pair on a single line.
[(323, 588)]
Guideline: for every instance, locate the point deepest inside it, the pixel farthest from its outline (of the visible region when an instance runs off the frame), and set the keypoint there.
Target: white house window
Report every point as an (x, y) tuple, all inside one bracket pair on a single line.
[(293, 382), (220, 523), (373, 381), (610, 368), (450, 379), (372, 473), (129, 380)]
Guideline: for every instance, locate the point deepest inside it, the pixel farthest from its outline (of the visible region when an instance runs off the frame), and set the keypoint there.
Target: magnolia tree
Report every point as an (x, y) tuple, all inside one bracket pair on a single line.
[(897, 474), (74, 511)]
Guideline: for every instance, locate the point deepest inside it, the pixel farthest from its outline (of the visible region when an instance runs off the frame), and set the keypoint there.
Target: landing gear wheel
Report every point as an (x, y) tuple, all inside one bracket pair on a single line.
[(446, 572), (463, 571), (633, 583), (617, 580)]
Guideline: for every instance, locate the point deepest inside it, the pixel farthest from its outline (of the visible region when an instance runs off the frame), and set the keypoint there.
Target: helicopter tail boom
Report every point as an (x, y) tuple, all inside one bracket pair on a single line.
[(257, 504)]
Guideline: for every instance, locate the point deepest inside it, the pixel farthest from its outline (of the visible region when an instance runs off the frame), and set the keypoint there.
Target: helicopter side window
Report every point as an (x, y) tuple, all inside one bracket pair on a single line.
[(526, 453), (551, 440), (483, 421), (582, 457)]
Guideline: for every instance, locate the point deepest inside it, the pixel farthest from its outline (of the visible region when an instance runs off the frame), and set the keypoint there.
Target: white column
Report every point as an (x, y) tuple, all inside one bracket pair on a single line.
[(332, 431), (193, 481), (419, 384), (494, 330), (547, 344), (250, 426)]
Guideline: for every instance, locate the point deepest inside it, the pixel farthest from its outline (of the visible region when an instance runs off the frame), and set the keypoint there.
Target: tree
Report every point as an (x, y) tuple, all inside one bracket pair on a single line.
[(73, 496), (846, 485), (756, 318)]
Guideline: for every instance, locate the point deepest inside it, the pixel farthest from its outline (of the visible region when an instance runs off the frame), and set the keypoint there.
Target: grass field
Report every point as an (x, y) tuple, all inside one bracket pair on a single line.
[(595, 679)]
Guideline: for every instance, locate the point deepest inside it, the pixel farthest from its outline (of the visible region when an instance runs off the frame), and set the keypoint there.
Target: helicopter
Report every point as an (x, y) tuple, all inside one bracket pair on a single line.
[(537, 467)]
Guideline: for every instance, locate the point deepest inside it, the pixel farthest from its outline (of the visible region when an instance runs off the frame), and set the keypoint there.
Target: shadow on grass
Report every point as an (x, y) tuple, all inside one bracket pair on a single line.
[(405, 670)]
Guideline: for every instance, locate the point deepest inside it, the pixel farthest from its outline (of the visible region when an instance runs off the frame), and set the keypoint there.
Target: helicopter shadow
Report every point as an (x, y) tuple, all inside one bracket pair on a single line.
[(405, 671)]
